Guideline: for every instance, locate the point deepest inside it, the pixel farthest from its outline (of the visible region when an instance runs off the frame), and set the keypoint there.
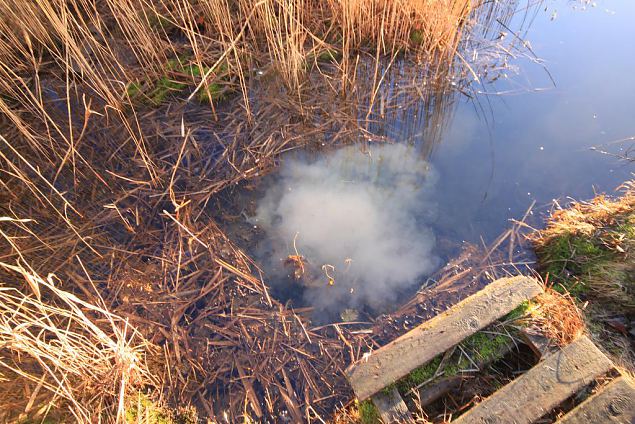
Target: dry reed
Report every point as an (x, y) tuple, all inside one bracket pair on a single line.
[(69, 349), (557, 317)]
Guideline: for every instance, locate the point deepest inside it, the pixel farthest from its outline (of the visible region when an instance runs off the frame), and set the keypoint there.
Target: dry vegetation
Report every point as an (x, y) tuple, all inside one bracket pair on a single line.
[(587, 249), (55, 341), (556, 316), (115, 133), (588, 246)]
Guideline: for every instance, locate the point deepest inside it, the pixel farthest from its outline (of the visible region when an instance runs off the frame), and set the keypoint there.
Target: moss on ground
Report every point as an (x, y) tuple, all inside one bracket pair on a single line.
[(368, 413), (594, 265), (145, 410), (179, 76), (587, 250)]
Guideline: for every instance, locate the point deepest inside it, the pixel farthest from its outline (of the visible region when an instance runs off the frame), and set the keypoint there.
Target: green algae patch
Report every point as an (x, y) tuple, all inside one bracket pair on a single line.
[(179, 79), (368, 413), (146, 410)]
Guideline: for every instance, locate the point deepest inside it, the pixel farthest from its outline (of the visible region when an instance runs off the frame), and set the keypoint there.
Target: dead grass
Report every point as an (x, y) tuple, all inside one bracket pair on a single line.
[(557, 317), (587, 250), (588, 247), (72, 352), (586, 218)]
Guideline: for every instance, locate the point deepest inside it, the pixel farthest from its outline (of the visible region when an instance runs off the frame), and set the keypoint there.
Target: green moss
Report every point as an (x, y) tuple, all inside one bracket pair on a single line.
[(330, 55), (163, 88), (419, 375), (197, 71), (627, 227), (216, 89), (145, 410), (133, 89), (482, 347), (596, 266), (179, 75), (487, 347), (568, 257), (368, 413), (416, 37), (174, 64), (519, 312)]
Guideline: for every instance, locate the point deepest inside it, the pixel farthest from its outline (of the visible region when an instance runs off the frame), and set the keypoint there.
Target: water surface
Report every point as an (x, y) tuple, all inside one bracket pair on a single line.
[(495, 148), (534, 144)]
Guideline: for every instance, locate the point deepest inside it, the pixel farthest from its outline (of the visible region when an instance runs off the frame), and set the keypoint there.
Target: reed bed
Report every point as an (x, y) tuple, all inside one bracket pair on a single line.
[(120, 120)]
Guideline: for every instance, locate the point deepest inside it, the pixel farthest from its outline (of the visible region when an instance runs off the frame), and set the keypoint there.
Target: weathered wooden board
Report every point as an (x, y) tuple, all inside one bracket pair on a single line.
[(543, 387), (436, 390), (395, 360), (539, 344), (392, 408), (614, 404)]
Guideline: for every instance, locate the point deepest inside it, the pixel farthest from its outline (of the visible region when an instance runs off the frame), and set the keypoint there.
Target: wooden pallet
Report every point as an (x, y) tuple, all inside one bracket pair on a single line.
[(560, 373), (615, 403), (542, 388)]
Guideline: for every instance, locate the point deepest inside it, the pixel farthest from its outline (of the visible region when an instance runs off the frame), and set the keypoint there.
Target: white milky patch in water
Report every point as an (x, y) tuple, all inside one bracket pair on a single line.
[(359, 218)]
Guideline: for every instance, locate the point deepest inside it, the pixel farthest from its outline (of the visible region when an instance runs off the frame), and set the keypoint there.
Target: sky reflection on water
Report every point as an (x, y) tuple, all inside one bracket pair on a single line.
[(536, 145)]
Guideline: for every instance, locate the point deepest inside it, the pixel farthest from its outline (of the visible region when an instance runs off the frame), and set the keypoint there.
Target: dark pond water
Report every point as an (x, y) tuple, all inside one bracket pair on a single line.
[(371, 227)]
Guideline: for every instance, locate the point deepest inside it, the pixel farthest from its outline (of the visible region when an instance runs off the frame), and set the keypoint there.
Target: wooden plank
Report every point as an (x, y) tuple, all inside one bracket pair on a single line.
[(538, 343), (542, 388), (614, 404), (392, 408), (395, 360), (433, 392)]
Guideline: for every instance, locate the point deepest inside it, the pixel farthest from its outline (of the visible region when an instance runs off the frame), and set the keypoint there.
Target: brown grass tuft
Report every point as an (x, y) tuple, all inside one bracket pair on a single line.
[(70, 350), (586, 218), (557, 317)]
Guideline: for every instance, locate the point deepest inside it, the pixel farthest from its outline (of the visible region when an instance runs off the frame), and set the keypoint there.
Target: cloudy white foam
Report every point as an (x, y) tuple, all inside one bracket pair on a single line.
[(357, 216)]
